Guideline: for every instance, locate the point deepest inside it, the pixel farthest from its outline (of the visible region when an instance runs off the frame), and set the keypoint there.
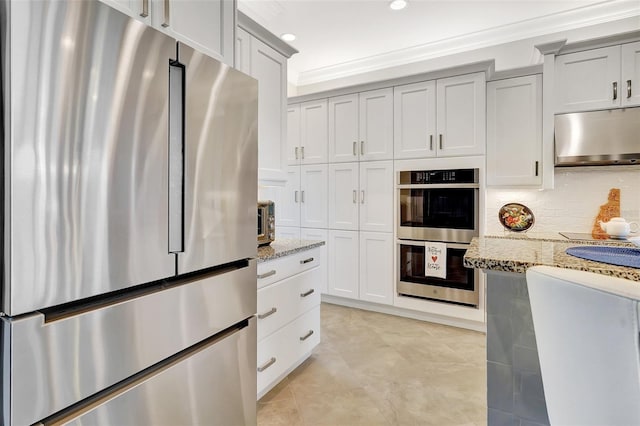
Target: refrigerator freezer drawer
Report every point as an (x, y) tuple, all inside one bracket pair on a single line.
[(57, 363), (187, 392)]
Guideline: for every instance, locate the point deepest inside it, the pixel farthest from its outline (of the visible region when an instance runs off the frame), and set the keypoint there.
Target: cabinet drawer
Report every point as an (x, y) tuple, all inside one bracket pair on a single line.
[(282, 302), (284, 267), (284, 348)]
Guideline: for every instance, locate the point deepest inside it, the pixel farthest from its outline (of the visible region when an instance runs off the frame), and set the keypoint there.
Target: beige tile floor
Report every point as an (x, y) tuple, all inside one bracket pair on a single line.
[(377, 369)]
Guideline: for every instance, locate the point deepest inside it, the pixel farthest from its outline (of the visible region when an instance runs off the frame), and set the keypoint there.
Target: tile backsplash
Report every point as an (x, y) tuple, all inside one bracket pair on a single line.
[(574, 202)]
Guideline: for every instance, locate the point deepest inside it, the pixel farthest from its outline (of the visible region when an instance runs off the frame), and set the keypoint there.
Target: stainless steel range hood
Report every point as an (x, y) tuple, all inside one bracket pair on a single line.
[(598, 138)]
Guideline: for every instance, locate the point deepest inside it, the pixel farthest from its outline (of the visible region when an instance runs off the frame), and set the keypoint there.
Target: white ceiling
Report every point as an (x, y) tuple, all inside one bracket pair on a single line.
[(343, 37)]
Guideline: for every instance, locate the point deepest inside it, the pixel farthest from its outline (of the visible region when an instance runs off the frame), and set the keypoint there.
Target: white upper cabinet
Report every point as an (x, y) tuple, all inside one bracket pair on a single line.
[(344, 196), (139, 9), (207, 26), (376, 196), (630, 74), (361, 126), (414, 120), (313, 196), (443, 118), (269, 68), (461, 115), (588, 80), (603, 78), (376, 124), (313, 134), (514, 131), (343, 129)]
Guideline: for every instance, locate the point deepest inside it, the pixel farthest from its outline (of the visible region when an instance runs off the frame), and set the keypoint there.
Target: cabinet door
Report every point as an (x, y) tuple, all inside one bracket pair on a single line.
[(139, 9), (243, 51), (585, 80), (292, 232), (207, 26), (314, 132), (376, 124), (514, 131), (376, 196), (293, 135), (630, 90), (343, 129), (321, 235), (287, 200), (269, 68), (313, 196), (461, 115), (343, 196), (414, 120), (376, 267), (342, 251)]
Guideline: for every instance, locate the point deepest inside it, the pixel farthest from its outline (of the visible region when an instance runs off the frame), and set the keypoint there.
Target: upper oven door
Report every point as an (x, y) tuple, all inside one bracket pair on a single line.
[(441, 212)]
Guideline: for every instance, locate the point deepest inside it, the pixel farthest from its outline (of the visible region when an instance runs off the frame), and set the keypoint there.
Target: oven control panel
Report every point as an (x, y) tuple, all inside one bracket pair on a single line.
[(421, 177)]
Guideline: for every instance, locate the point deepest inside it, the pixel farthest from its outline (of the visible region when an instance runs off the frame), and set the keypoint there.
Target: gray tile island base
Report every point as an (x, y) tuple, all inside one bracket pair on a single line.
[(515, 394)]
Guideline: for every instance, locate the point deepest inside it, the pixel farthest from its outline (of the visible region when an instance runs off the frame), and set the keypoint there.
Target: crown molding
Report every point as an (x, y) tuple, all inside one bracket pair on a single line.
[(578, 18)]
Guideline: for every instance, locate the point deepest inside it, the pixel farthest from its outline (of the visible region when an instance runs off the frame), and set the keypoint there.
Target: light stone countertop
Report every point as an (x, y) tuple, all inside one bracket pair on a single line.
[(520, 253), (282, 247)]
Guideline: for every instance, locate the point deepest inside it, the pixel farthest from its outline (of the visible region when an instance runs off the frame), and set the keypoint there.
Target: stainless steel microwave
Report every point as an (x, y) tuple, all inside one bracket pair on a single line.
[(266, 222)]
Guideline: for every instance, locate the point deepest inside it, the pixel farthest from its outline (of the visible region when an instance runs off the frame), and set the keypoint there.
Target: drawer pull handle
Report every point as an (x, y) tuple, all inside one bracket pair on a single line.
[(269, 313), (307, 293), (267, 365), (302, 262), (267, 274), (306, 336)]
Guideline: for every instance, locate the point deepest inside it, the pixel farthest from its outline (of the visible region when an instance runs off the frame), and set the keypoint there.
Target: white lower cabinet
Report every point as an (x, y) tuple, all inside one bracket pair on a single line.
[(288, 314), (361, 265), (319, 235)]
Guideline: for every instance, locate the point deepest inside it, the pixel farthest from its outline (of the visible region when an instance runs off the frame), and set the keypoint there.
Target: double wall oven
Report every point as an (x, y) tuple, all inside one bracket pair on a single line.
[(439, 206)]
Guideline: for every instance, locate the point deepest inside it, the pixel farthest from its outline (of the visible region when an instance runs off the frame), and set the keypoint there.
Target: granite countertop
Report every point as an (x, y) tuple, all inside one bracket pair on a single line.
[(284, 247), (518, 254)]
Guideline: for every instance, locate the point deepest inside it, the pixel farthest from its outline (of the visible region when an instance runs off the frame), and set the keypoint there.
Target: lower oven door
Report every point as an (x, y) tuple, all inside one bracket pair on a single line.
[(459, 286)]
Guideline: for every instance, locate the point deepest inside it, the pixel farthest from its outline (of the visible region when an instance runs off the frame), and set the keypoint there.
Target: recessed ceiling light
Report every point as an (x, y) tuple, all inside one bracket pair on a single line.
[(398, 4), (289, 36)]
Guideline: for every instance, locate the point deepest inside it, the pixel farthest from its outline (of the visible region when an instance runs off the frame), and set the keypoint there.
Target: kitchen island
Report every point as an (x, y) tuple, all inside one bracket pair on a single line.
[(515, 394)]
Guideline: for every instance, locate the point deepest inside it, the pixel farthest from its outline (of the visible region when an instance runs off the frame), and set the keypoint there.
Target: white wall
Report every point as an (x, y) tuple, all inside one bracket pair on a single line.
[(507, 55), (574, 203)]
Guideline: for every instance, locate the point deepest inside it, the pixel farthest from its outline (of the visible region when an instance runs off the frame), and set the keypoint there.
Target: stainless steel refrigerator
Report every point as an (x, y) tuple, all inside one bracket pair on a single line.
[(129, 240)]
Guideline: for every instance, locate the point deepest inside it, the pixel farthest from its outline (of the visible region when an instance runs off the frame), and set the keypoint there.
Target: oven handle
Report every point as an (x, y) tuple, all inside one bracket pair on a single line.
[(422, 243), (440, 185)]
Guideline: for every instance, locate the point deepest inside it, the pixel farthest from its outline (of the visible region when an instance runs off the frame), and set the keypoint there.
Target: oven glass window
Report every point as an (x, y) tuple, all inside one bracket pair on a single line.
[(452, 208), (412, 266)]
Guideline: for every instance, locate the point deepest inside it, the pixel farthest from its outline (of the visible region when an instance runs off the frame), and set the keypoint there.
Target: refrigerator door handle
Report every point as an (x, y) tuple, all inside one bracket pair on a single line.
[(176, 157)]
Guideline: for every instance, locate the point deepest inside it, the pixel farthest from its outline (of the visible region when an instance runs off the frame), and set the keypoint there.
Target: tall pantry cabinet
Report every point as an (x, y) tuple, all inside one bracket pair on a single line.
[(264, 57)]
